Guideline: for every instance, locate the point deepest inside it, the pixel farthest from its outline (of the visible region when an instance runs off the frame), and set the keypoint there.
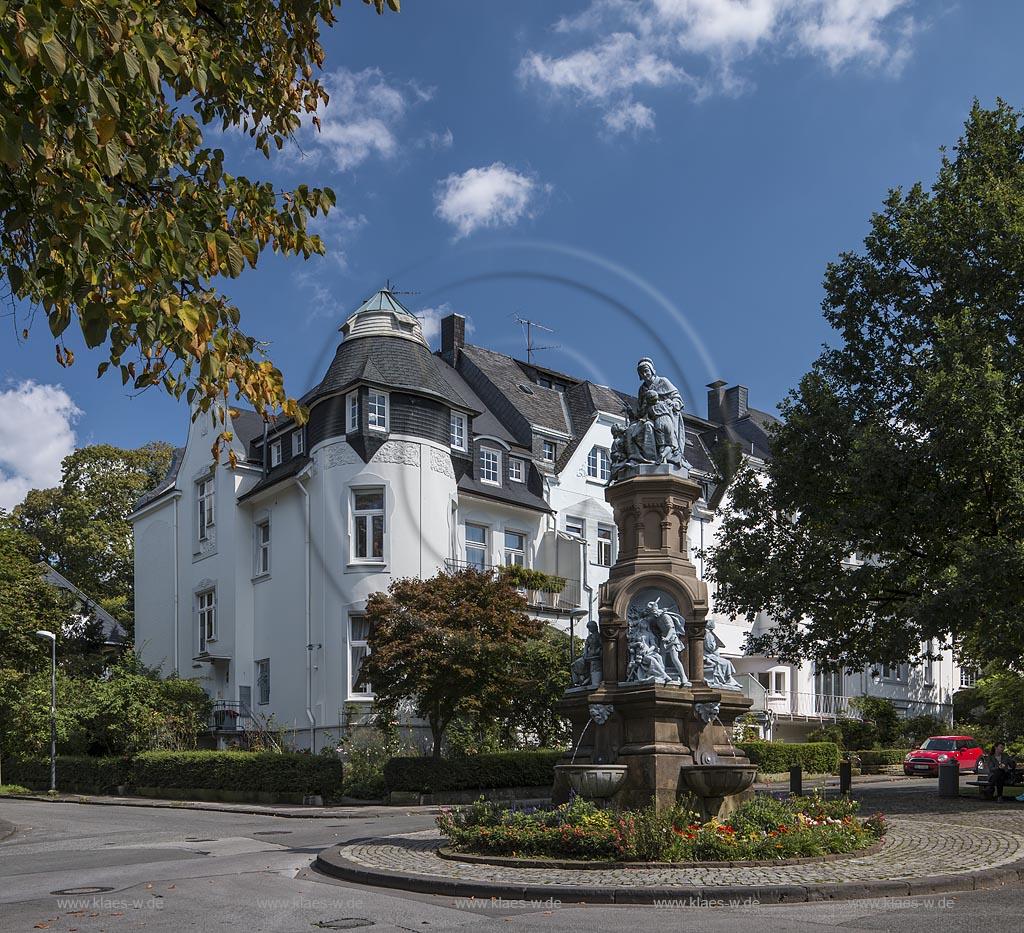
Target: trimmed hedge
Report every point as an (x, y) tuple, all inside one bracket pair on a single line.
[(776, 757), (245, 772), (251, 772), (503, 769), (876, 757), (76, 773)]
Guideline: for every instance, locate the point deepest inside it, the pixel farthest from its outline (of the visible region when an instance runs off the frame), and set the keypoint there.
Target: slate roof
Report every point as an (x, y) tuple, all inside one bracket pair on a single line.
[(751, 432), (389, 363), (282, 471), (166, 483), (541, 407), (484, 422), (113, 632), (247, 426), (513, 493)]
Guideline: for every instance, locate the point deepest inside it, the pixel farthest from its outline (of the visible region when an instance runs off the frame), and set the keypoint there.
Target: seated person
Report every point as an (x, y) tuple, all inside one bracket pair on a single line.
[(1000, 770)]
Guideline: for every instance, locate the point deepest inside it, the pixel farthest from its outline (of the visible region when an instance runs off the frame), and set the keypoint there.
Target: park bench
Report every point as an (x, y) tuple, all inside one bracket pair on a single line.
[(1010, 789)]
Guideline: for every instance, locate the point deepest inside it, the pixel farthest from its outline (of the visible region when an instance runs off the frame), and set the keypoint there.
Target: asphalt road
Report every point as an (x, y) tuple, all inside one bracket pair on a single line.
[(181, 870)]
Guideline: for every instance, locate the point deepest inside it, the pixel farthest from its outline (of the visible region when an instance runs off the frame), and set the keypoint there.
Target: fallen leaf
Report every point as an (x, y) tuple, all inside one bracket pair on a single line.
[(149, 886)]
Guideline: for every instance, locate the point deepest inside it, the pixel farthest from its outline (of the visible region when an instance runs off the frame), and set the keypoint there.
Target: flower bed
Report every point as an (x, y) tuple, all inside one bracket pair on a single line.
[(764, 828)]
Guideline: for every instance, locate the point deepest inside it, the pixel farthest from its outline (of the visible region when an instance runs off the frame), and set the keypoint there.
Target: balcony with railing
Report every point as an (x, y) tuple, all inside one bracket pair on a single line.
[(230, 717), (550, 599)]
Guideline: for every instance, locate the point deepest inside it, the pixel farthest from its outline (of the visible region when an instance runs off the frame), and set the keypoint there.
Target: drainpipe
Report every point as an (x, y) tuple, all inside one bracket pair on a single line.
[(177, 621), (309, 621)]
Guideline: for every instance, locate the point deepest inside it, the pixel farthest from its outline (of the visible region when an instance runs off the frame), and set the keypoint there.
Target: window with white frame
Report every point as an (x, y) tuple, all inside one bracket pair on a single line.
[(779, 683), (358, 638), (298, 443), (968, 676), (377, 410), (516, 471), (206, 610), (352, 418), (263, 681), (368, 523), (476, 546), (490, 466), (896, 672), (458, 431), (515, 549), (598, 465), (576, 526), (549, 451), (275, 454), (604, 545), (204, 501), (263, 547)]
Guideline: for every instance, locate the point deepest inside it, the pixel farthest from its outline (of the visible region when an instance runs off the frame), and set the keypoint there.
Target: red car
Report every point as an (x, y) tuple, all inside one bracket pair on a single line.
[(935, 750)]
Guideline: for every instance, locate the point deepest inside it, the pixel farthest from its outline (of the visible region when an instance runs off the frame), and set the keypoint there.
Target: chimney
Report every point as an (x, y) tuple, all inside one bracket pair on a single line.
[(716, 400), (453, 337), (736, 402)]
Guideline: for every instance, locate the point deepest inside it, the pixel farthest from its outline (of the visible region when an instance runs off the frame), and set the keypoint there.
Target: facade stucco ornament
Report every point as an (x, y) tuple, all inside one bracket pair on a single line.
[(340, 455), (398, 452), (441, 462), (655, 638), (654, 432), (708, 712), (600, 712), (586, 670), (718, 671)]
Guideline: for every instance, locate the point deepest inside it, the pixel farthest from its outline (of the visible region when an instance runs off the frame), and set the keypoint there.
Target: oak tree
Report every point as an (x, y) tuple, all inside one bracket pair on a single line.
[(890, 519)]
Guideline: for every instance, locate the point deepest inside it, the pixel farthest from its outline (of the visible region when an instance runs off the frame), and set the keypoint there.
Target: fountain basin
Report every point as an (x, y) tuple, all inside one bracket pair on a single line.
[(595, 782), (713, 783)]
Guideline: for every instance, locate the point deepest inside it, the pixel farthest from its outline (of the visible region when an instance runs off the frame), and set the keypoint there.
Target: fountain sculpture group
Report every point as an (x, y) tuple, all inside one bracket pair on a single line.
[(653, 702)]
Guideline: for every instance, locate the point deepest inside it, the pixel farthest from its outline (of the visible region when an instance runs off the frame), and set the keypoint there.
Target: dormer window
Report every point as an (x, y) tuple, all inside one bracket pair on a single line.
[(275, 454), (490, 466), (515, 470), (298, 443), (549, 451), (377, 410)]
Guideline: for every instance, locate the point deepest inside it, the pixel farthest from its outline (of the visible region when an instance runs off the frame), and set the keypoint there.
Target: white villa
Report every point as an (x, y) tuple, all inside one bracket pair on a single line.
[(254, 579)]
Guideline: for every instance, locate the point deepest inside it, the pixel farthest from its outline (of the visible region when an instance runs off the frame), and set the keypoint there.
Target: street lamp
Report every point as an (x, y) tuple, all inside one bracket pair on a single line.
[(53, 707)]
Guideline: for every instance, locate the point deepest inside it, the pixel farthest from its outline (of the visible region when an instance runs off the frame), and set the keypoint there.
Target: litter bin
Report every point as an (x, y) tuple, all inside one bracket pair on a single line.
[(949, 779)]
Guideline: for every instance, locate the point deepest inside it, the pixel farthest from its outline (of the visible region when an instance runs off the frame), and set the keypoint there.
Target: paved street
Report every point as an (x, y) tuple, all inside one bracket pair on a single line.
[(176, 869)]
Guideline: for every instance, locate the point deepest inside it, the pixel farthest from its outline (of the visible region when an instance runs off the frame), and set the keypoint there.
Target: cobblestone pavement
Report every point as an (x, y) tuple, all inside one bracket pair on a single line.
[(929, 838)]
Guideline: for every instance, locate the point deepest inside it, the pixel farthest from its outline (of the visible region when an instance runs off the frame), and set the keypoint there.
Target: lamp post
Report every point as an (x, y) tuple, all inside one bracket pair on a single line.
[(53, 707)]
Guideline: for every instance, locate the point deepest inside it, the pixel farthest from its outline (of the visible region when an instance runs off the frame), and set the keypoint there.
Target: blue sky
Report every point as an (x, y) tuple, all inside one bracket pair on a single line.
[(663, 177)]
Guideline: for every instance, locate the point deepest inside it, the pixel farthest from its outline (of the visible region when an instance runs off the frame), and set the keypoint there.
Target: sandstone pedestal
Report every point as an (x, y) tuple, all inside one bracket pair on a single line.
[(656, 729)]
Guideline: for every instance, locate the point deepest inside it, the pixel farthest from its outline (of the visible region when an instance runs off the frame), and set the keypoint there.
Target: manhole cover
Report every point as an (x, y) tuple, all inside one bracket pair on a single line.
[(71, 892), (345, 923), (273, 832)]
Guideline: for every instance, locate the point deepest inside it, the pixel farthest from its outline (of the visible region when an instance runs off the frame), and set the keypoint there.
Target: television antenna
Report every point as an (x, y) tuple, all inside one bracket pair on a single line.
[(528, 327), (388, 287)]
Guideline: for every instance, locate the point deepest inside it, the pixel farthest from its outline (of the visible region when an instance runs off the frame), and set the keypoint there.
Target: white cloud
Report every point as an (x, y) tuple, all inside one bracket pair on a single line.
[(430, 319), (36, 434), (362, 120), (495, 196), (631, 46)]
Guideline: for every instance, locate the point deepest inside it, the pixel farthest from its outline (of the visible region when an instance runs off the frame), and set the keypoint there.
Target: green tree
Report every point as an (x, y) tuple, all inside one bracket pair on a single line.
[(115, 215), (27, 604), (446, 645), (81, 526), (904, 442)]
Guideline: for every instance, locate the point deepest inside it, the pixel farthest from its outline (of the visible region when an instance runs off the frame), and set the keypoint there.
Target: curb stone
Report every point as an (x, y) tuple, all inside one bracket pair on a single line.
[(318, 813)]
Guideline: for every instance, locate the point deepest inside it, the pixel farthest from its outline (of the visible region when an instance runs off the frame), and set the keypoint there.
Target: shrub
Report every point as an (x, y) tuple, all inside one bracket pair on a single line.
[(74, 772), (879, 757), (776, 757), (504, 769), (263, 772)]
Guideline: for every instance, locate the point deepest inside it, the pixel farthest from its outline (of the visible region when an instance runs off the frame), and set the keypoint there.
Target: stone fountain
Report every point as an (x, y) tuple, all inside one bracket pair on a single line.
[(652, 659)]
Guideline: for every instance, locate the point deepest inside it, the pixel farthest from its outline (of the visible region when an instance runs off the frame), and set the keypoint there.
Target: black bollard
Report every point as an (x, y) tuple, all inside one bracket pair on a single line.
[(845, 776), (796, 782)]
